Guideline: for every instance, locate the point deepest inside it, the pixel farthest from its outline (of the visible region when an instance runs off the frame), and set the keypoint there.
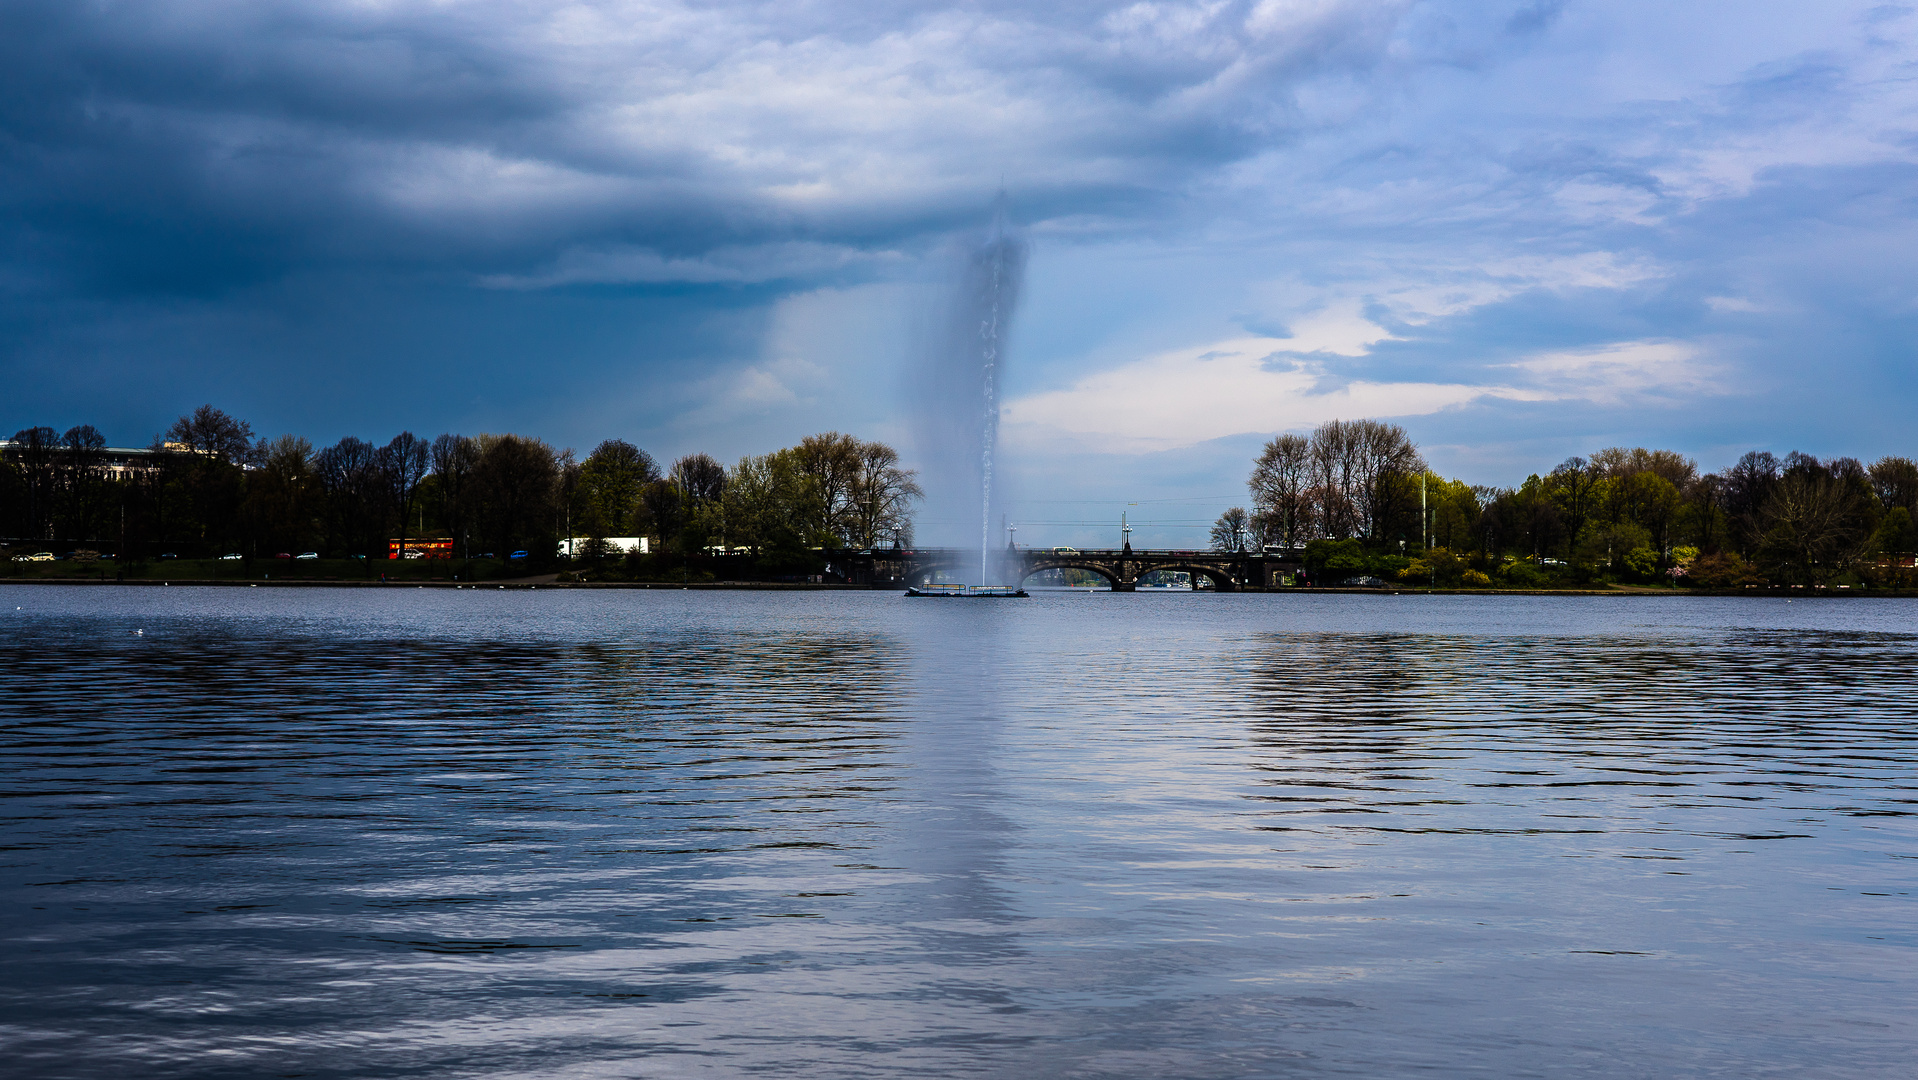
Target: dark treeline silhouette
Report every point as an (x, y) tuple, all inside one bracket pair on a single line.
[(1358, 496), (208, 487)]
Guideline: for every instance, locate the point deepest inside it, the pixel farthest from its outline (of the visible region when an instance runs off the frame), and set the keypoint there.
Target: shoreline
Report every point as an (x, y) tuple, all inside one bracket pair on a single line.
[(549, 581)]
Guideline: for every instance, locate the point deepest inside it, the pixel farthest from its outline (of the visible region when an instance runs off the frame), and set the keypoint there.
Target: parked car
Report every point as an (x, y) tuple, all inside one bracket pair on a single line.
[(169, 555), (235, 555), (517, 555), (284, 555), (307, 555), (38, 556)]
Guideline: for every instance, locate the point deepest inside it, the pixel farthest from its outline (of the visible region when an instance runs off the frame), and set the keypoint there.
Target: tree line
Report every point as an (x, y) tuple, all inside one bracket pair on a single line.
[(209, 486), (1360, 498)]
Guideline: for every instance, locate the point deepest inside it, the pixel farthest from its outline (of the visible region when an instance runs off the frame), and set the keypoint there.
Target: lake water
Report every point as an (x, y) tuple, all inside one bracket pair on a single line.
[(363, 833)]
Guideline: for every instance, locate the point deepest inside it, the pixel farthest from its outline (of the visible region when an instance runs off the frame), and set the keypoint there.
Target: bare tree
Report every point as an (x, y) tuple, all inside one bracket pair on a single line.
[(1352, 475), (1813, 527), (282, 496), (881, 498), (700, 478), (1383, 456), (352, 477), (1229, 532), (211, 433), (35, 451), (513, 488), (1334, 459), (1748, 487), (405, 461), (1895, 480), (81, 460), (453, 458), (1280, 481)]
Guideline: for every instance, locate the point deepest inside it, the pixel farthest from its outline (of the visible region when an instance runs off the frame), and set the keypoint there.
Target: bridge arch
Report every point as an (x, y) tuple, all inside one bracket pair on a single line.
[(1040, 566), (924, 573), (1220, 578)]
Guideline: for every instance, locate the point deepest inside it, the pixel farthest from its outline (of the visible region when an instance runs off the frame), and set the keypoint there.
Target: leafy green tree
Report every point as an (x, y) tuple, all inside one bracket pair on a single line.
[(1896, 532), (772, 506), (1605, 544), (1334, 560), (611, 483), (1455, 511)]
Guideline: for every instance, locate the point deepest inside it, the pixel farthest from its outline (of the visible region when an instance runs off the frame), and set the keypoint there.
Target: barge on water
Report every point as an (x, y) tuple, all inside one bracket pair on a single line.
[(939, 589)]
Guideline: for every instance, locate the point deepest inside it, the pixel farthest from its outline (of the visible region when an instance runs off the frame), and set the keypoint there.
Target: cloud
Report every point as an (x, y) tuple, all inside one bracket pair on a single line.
[(1188, 396), (1624, 373), (1338, 329), (629, 264), (1264, 385), (620, 140)]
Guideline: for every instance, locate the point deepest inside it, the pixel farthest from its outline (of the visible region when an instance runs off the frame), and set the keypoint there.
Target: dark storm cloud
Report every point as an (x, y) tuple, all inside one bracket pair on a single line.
[(192, 146)]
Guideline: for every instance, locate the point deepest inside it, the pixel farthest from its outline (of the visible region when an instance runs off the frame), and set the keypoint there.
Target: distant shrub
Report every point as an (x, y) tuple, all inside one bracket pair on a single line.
[(1475, 579), (1521, 575), (1724, 570), (1389, 567), (1642, 562)]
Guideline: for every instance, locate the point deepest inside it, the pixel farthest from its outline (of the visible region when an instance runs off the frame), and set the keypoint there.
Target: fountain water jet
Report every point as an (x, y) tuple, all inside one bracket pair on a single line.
[(967, 366)]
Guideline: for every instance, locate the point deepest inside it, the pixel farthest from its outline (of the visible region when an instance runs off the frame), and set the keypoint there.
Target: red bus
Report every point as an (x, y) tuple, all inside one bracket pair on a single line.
[(419, 549)]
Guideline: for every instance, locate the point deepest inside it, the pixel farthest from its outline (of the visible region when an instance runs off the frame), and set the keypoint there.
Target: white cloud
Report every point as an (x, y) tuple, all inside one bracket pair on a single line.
[(1261, 385), (1338, 329), (1629, 372), (1419, 291), (1189, 396), (772, 386)]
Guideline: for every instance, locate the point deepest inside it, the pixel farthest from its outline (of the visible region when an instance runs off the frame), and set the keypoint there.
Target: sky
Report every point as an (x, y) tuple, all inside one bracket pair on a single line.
[(1522, 229)]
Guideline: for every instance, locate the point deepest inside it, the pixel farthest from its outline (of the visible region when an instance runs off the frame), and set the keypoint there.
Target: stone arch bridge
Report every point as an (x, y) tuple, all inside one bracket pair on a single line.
[(1121, 568)]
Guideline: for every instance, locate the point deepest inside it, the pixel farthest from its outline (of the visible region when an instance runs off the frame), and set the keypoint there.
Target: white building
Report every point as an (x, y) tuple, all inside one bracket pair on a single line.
[(572, 547)]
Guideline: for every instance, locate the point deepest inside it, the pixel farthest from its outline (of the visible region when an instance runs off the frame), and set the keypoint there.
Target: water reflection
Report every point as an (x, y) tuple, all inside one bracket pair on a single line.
[(857, 836)]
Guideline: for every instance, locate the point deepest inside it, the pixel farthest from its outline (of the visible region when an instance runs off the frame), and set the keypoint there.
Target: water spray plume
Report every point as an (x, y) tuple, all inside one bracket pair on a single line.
[(961, 421)]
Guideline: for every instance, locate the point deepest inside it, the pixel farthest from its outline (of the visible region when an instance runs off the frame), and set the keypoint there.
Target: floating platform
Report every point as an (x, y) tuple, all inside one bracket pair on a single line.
[(965, 590)]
